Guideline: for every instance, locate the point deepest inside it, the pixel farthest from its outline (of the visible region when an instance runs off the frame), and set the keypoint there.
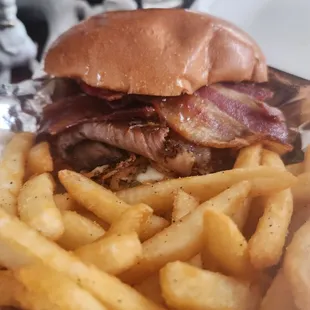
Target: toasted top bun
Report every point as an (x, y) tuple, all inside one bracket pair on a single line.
[(156, 52)]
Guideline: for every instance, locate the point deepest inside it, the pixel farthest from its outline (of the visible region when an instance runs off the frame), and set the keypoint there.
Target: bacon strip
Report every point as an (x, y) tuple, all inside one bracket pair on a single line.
[(217, 116), (79, 109)]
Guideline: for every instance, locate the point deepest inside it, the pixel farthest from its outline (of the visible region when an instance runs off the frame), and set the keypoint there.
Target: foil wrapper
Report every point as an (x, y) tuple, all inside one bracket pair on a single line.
[(21, 106)]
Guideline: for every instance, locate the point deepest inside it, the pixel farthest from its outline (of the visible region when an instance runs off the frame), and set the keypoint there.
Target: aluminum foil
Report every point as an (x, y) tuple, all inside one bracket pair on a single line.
[(21, 106)]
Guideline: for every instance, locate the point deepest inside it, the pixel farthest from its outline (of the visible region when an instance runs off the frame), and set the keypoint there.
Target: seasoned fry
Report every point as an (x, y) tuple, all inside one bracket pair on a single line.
[(300, 190), (8, 286), (113, 254), (64, 202), (266, 245), (159, 196), (94, 218), (297, 267), (93, 196), (249, 157), (133, 219), (168, 246), (48, 289), (37, 208), (20, 245), (12, 170), (209, 262), (279, 296), (295, 169), (182, 205), (186, 287), (227, 245), (39, 159), (156, 225), (78, 231), (150, 288)]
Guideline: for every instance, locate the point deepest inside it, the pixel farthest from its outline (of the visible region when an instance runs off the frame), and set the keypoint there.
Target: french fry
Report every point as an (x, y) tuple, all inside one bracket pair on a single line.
[(168, 246), (156, 225), (266, 245), (227, 245), (295, 169), (133, 219), (113, 254), (39, 159), (78, 231), (159, 196), (12, 170), (186, 287), (8, 285), (279, 295), (209, 262), (93, 196), (48, 289), (94, 218), (150, 288), (183, 204), (64, 202), (300, 190), (37, 208), (249, 157), (297, 268), (20, 245)]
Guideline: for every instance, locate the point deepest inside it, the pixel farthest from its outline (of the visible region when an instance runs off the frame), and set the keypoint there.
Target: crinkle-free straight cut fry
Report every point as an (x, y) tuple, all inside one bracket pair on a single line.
[(167, 246), (20, 245), (159, 196), (12, 170)]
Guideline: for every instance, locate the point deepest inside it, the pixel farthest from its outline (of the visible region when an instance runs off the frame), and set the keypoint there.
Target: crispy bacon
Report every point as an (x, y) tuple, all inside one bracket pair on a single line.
[(188, 134), (219, 117), (79, 109)]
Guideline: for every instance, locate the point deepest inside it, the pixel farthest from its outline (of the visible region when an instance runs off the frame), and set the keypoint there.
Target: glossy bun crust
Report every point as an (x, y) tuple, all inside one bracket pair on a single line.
[(156, 52)]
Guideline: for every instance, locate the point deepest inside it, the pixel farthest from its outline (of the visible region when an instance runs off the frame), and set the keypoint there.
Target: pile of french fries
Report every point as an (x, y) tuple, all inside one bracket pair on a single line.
[(232, 240)]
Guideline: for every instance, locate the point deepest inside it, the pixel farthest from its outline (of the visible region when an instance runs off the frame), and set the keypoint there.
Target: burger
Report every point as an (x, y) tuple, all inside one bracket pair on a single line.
[(171, 92)]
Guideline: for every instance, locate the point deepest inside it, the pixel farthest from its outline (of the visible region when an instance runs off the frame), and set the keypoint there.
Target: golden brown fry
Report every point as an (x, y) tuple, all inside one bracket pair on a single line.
[(94, 218), (39, 159), (183, 240), (93, 196), (183, 204), (133, 219), (65, 202), (186, 287), (159, 196), (297, 267), (20, 245), (37, 208), (113, 254), (266, 245), (156, 225), (12, 170), (279, 296), (295, 169), (150, 288), (8, 285), (48, 289), (227, 245), (78, 231), (249, 157)]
